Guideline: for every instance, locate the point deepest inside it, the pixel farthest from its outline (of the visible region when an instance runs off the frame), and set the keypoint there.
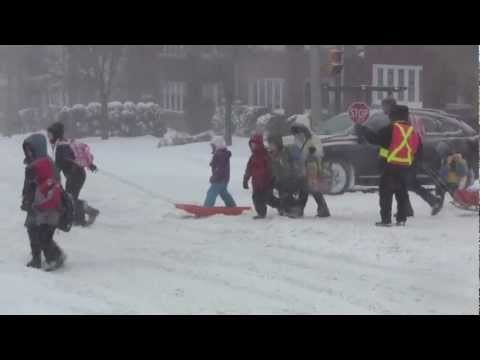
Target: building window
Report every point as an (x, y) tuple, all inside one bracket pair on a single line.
[(267, 93), (401, 83), (213, 92), (380, 83), (411, 85), (399, 76), (173, 95), (172, 50)]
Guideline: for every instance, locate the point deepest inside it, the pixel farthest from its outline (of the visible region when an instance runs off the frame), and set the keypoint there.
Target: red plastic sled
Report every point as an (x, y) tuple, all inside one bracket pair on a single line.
[(201, 211), (466, 200)]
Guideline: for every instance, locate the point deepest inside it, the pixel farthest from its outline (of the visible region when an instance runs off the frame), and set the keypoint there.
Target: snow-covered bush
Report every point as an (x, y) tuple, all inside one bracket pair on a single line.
[(244, 119), (173, 138), (124, 119)]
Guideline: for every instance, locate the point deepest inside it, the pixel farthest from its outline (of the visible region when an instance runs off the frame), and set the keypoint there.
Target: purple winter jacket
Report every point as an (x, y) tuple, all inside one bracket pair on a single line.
[(220, 166)]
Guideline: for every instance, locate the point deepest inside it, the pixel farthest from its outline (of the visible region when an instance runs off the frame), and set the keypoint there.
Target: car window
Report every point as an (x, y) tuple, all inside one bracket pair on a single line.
[(429, 123), (377, 121), (336, 124), (449, 126), (452, 126)]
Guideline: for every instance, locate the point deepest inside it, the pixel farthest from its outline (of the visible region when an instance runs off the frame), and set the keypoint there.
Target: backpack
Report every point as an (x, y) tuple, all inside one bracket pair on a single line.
[(81, 151), (67, 215)]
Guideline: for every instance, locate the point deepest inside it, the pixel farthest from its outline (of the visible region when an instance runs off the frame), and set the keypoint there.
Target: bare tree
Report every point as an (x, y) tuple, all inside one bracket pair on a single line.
[(99, 63)]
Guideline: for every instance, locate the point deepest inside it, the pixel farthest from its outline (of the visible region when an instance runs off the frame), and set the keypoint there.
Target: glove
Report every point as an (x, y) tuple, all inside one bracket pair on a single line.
[(245, 184), (93, 168), (274, 182), (26, 205)]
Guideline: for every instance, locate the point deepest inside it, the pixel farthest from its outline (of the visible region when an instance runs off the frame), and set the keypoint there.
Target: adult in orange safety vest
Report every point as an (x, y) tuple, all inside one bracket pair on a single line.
[(398, 144)]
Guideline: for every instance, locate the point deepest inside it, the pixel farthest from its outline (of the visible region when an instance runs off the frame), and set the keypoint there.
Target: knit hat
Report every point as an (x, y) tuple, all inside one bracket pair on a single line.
[(218, 142)]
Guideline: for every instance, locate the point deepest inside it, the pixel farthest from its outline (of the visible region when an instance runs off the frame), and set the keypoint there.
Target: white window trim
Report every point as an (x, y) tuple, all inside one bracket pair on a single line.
[(417, 103), (172, 51), (267, 89), (173, 96)]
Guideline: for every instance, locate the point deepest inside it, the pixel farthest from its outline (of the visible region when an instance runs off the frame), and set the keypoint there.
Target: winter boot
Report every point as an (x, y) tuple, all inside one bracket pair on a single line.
[(437, 207), (36, 262), (259, 217), (57, 263), (80, 206), (295, 213), (383, 224), (323, 214), (92, 216), (401, 223)]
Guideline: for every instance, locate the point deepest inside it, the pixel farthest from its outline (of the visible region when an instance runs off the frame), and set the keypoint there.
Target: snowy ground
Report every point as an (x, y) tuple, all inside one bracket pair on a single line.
[(145, 257)]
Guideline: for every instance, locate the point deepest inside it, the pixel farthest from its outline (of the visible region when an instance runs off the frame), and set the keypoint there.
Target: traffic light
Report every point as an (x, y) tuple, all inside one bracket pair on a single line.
[(335, 61)]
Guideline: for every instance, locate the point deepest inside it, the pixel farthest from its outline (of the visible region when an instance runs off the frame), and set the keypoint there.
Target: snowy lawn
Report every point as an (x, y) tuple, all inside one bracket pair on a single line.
[(145, 257)]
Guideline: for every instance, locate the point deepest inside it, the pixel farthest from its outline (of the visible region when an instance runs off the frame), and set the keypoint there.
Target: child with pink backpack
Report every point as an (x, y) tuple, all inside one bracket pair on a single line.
[(72, 158)]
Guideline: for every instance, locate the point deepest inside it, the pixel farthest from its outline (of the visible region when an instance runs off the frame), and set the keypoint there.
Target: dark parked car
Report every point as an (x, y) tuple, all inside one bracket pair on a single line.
[(356, 163)]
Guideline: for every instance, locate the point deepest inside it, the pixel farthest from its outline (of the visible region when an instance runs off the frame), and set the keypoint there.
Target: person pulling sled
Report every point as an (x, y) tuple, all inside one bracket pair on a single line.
[(72, 158)]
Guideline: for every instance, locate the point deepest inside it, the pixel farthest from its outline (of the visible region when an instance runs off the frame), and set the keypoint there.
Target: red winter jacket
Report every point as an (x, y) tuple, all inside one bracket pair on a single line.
[(259, 165), (48, 192)]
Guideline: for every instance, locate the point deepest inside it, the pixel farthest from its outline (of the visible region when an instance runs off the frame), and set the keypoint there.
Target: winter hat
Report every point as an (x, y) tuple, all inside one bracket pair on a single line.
[(399, 113), (57, 130), (218, 142)]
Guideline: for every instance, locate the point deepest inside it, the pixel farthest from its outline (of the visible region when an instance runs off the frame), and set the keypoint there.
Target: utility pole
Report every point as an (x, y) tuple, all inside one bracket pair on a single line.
[(12, 93), (316, 85), (229, 87), (338, 81)]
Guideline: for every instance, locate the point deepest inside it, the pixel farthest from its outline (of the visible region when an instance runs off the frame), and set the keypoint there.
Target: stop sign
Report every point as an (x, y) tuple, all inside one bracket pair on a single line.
[(359, 112)]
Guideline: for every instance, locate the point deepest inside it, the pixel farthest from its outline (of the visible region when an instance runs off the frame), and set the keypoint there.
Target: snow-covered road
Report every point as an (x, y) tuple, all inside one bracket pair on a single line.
[(145, 257)]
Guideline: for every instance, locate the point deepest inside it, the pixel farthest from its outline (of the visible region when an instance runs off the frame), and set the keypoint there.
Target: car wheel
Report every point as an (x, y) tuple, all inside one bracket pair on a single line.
[(341, 173)]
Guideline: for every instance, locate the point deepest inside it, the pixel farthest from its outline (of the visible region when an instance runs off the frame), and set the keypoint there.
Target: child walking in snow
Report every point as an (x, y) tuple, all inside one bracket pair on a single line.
[(41, 199), (259, 169), (220, 178), (315, 183), (74, 172)]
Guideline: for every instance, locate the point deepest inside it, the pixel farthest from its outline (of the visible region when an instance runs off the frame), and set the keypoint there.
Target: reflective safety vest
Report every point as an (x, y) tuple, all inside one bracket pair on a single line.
[(403, 147)]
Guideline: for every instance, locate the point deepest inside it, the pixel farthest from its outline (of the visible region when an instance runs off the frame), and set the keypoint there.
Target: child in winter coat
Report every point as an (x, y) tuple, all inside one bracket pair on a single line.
[(259, 169), (454, 173), (41, 199), (220, 178), (315, 183), (75, 174), (286, 179)]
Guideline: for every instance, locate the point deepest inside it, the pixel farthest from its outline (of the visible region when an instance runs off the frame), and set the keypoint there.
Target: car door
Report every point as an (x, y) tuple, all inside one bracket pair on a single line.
[(432, 135)]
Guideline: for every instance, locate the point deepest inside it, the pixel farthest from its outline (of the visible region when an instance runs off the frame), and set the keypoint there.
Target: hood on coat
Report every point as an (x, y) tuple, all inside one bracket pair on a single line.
[(37, 144), (301, 129), (223, 153), (257, 139)]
